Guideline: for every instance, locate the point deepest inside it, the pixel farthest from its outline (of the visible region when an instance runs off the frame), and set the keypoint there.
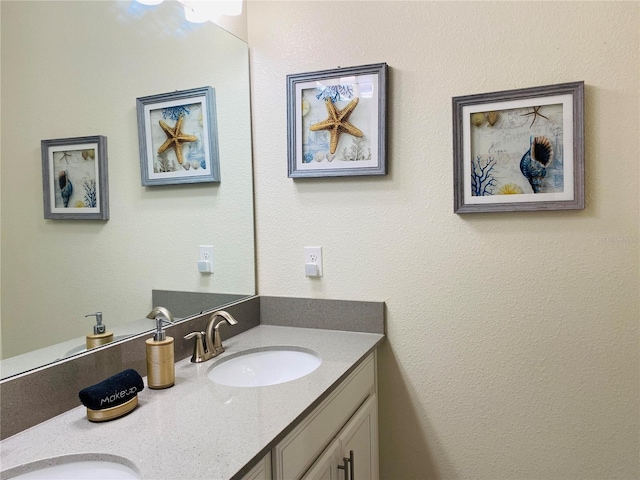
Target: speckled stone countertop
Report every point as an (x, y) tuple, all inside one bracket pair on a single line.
[(198, 429)]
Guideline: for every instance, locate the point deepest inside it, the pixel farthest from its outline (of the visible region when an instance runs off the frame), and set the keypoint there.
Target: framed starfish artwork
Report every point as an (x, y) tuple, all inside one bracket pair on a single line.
[(336, 122), (178, 137), (519, 150), (75, 179)]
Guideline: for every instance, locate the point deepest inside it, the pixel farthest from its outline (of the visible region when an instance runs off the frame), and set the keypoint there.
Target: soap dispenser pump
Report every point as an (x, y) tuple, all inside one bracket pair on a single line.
[(100, 334), (160, 352)]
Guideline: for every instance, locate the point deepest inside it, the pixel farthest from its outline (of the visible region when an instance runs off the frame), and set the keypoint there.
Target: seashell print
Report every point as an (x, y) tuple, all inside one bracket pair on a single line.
[(492, 118), (195, 164), (535, 161), (186, 165), (542, 151), (66, 187), (90, 153), (477, 119), (319, 156), (330, 157)]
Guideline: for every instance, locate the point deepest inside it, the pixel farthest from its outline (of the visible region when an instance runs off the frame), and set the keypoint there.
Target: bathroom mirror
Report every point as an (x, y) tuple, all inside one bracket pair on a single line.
[(74, 69)]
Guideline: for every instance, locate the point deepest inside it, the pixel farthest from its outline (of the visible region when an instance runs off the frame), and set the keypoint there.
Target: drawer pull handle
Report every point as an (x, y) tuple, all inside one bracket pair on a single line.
[(348, 467)]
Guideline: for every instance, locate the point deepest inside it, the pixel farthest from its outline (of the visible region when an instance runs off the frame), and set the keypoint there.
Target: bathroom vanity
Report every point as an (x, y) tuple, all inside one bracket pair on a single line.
[(304, 428), (340, 435)]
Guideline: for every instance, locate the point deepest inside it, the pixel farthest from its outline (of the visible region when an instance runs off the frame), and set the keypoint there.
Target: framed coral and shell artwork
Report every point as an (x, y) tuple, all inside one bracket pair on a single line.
[(178, 137), (75, 179), (336, 122), (519, 150)]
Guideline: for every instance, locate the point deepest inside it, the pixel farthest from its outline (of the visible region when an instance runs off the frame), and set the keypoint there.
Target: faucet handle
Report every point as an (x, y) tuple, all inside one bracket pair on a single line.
[(189, 336), (199, 355)]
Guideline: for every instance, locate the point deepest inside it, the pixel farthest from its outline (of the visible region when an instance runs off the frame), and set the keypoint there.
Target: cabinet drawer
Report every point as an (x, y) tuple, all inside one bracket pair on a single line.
[(295, 454)]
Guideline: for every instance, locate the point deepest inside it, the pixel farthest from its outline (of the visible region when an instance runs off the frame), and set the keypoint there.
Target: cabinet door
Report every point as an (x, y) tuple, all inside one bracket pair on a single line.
[(326, 466), (360, 435)]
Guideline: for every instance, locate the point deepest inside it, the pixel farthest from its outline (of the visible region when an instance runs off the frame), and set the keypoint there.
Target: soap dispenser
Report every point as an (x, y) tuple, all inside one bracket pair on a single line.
[(160, 352), (100, 334)]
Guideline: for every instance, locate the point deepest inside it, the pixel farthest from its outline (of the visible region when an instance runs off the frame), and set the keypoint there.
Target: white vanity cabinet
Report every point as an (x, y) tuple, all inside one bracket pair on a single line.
[(347, 420)]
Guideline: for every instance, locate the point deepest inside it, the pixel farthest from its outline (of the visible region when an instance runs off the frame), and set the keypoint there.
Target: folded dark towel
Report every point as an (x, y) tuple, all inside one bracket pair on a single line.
[(113, 391)]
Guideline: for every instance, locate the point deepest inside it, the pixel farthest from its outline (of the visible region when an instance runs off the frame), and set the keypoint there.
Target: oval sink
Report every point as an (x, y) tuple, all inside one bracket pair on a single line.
[(260, 367), (73, 470)]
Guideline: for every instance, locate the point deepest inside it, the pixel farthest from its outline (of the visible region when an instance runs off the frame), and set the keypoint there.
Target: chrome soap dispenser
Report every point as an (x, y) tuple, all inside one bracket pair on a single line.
[(160, 352), (100, 334)]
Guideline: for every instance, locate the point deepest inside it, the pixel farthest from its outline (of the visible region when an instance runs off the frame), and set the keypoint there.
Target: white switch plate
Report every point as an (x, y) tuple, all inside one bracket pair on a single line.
[(205, 254), (314, 255)]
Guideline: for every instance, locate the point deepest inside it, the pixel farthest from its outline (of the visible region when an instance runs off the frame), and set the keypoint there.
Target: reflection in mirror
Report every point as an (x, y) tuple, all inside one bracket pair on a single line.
[(79, 76)]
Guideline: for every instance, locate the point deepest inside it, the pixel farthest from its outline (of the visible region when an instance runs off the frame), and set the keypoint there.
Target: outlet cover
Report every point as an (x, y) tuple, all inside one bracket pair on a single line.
[(313, 255), (205, 258)]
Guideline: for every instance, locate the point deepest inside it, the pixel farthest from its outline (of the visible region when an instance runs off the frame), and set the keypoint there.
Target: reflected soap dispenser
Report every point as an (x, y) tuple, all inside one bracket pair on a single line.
[(160, 352), (100, 334)]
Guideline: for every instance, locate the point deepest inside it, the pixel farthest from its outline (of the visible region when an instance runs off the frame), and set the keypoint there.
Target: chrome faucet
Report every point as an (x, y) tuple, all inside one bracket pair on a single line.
[(208, 343)]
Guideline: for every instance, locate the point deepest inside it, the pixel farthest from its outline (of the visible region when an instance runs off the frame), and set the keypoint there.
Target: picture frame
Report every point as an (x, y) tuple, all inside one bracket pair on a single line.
[(519, 150), (336, 122), (178, 137), (75, 181)]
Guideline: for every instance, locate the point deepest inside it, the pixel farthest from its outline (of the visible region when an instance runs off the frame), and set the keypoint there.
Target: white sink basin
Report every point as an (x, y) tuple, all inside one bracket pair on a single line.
[(73, 470), (263, 367)]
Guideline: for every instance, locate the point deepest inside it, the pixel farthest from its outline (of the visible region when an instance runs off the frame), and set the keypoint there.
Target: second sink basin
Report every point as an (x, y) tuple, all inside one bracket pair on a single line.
[(262, 367), (74, 467)]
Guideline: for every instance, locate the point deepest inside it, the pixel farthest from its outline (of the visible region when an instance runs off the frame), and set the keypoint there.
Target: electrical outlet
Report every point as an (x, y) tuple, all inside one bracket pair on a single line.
[(205, 258), (313, 256), (205, 252)]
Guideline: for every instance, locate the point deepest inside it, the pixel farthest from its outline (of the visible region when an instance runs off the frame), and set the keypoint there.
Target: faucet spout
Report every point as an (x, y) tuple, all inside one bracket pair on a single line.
[(208, 343), (162, 313), (212, 335)]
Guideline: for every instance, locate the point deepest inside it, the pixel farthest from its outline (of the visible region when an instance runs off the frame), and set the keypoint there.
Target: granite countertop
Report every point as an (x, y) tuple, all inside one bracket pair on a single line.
[(199, 429)]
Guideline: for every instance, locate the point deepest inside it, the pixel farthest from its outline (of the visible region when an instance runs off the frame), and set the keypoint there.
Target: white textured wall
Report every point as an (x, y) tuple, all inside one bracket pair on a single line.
[(512, 347), (75, 69)]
